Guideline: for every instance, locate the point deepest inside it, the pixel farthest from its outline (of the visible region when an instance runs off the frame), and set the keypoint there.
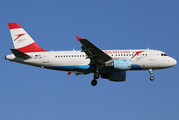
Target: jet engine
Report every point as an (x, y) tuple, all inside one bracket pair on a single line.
[(122, 64), (115, 76)]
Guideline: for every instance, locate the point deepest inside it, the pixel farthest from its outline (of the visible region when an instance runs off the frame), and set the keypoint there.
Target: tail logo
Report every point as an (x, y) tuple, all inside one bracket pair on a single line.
[(19, 35)]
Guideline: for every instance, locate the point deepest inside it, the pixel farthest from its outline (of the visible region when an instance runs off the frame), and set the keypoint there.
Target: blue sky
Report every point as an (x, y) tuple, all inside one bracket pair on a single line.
[(30, 93)]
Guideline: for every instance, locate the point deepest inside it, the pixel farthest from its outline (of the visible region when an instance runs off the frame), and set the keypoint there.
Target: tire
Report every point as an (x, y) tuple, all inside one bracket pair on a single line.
[(151, 78), (94, 82)]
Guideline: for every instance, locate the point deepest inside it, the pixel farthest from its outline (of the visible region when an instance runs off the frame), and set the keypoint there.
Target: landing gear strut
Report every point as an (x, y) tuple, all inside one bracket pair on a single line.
[(94, 81), (96, 75), (151, 77)]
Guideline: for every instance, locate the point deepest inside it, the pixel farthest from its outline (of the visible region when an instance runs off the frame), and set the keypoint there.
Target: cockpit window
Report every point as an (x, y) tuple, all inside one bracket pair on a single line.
[(164, 54)]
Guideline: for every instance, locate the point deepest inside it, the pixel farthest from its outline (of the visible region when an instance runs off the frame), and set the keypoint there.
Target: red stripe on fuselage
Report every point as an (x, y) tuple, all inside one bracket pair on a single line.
[(31, 48), (137, 53)]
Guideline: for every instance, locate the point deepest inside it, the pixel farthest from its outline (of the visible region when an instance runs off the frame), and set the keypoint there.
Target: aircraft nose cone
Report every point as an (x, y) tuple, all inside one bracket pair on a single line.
[(174, 62)]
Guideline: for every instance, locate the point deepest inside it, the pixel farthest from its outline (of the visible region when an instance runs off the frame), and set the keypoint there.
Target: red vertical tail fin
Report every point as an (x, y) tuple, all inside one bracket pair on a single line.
[(22, 41)]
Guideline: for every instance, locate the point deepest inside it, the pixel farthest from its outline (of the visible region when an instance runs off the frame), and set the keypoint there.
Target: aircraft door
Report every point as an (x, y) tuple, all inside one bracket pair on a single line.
[(151, 55), (45, 57)]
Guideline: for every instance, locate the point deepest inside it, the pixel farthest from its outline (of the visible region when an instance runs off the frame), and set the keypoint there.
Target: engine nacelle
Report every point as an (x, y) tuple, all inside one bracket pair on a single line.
[(115, 76), (122, 64)]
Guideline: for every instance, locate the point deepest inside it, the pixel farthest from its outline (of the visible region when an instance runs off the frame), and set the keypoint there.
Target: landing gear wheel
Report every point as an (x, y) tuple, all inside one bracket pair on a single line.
[(96, 75), (151, 78), (94, 82)]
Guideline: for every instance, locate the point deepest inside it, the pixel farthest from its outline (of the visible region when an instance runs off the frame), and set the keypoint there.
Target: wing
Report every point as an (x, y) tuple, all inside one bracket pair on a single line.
[(95, 54)]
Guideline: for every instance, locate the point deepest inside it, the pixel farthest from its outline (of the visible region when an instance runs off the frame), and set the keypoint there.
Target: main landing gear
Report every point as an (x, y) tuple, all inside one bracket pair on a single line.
[(94, 81), (151, 77)]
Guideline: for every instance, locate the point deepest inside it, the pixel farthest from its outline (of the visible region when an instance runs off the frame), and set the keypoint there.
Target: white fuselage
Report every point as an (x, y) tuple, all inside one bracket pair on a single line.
[(141, 59)]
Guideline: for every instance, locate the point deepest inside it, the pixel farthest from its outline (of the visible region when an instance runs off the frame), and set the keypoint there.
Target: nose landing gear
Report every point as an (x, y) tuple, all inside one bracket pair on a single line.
[(151, 77)]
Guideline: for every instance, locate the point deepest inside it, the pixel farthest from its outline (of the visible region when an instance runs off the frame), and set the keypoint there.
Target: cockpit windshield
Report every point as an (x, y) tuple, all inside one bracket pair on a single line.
[(164, 54)]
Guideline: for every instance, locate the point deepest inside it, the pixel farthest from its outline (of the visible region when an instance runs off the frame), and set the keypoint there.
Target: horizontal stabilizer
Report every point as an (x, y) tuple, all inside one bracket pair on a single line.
[(20, 54)]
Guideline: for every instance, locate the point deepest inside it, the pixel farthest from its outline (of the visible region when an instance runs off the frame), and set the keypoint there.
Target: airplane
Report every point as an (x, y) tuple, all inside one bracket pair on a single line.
[(107, 64)]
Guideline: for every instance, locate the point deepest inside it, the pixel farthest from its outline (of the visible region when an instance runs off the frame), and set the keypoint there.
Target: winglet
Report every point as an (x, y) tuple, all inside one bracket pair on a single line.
[(69, 72), (78, 38)]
